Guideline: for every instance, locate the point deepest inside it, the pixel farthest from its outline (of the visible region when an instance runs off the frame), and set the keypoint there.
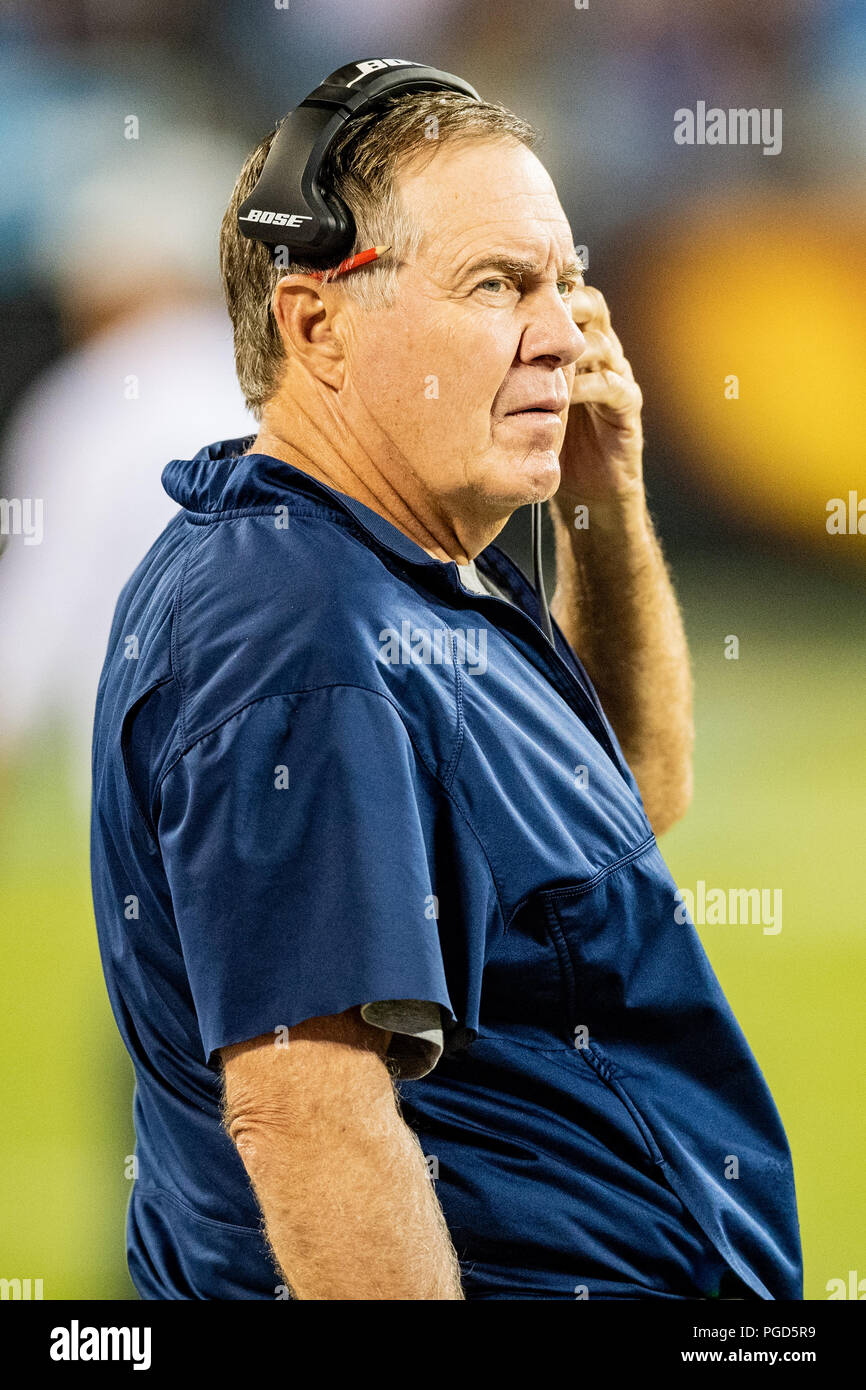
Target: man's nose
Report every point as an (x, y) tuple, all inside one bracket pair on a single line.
[(551, 331)]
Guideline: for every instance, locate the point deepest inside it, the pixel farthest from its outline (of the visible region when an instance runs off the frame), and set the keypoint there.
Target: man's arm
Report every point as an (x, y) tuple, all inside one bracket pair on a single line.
[(349, 1207), (615, 603)]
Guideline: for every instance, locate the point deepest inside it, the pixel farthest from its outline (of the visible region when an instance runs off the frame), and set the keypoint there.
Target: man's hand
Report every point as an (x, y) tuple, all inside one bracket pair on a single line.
[(349, 1207), (614, 599), (602, 453)]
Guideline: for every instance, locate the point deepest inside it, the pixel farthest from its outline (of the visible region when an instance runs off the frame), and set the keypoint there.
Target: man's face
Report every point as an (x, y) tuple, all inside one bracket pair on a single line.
[(452, 371)]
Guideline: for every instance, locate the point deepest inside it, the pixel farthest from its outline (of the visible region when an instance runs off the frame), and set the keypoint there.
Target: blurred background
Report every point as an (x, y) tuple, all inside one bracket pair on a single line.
[(736, 282)]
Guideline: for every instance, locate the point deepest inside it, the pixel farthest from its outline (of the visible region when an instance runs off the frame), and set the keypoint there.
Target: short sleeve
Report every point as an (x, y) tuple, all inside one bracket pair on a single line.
[(295, 839)]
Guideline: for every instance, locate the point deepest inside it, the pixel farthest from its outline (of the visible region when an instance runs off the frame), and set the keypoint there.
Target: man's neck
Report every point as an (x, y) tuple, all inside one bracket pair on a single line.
[(368, 485)]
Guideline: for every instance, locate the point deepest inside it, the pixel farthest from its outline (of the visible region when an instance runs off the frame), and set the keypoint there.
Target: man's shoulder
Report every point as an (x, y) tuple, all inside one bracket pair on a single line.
[(278, 603)]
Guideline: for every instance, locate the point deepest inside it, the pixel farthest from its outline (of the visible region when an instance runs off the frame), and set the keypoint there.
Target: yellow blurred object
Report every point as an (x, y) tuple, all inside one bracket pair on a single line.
[(752, 337)]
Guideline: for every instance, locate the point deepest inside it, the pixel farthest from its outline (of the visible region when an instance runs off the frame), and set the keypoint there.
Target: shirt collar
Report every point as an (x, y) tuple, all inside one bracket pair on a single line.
[(222, 481)]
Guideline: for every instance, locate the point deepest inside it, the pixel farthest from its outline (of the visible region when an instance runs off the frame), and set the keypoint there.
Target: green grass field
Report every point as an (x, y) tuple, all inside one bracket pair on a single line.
[(779, 803)]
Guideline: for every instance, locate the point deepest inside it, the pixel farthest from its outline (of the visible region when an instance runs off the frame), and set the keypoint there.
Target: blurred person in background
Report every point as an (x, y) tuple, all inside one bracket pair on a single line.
[(133, 265)]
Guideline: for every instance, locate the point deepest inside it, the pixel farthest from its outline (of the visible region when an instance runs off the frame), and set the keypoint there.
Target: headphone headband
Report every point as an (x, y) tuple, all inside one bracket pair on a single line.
[(289, 206)]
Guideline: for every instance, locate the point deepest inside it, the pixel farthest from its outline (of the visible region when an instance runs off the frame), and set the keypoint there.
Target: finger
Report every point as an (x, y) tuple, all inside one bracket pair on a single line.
[(602, 351), (588, 307), (614, 339), (606, 387)]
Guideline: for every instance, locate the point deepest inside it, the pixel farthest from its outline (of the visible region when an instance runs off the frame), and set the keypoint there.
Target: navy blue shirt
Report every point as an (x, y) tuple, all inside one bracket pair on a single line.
[(325, 773)]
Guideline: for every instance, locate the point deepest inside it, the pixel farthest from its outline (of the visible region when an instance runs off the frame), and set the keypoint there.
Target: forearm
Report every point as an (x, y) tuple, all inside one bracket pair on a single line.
[(350, 1211), (615, 603)]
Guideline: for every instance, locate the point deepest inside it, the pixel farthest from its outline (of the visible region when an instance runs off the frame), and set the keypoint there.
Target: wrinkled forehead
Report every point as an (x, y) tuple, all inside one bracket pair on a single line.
[(475, 195)]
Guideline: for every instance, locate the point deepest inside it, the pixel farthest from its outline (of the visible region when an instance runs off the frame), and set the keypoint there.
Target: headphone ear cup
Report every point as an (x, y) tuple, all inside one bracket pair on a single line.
[(287, 207)]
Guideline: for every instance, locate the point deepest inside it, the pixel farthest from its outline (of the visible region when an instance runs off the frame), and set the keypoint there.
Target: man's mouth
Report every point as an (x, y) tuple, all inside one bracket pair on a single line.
[(548, 408), (534, 415)]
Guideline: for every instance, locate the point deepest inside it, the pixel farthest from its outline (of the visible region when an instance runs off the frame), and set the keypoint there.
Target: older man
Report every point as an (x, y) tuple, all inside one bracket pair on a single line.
[(413, 1010)]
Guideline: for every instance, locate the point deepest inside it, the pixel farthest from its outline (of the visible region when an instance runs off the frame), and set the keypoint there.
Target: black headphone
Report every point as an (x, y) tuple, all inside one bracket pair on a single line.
[(290, 207)]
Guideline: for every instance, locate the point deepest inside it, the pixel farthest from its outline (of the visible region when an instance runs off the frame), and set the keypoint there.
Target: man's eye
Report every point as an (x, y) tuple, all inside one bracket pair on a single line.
[(494, 280), (570, 287)]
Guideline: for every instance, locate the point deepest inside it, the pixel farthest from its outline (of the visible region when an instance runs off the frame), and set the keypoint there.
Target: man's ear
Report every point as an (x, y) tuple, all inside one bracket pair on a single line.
[(309, 326)]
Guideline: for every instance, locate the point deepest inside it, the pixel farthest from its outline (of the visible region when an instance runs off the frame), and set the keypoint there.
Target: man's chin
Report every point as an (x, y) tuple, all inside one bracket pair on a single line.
[(533, 477), (501, 485)]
